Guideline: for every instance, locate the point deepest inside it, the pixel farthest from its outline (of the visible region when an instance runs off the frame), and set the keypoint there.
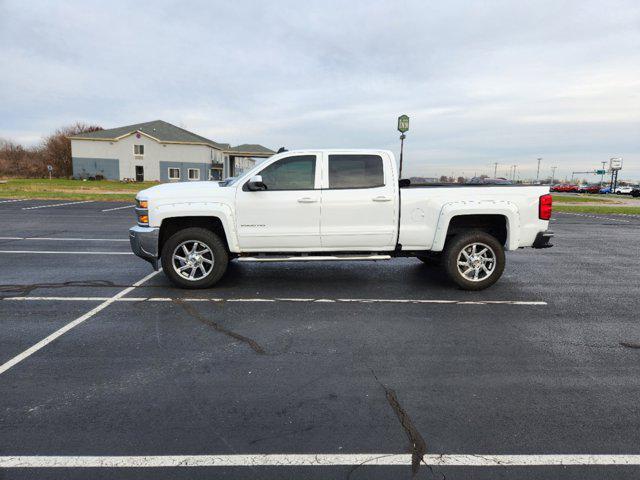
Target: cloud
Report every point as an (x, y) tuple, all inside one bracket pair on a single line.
[(483, 82)]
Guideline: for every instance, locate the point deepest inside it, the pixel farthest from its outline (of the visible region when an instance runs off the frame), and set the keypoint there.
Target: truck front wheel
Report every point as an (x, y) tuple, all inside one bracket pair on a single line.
[(194, 258), (474, 260)]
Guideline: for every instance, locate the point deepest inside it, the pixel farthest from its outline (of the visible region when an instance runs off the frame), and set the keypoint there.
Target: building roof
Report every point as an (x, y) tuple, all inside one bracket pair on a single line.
[(162, 131), (165, 132), (250, 148)]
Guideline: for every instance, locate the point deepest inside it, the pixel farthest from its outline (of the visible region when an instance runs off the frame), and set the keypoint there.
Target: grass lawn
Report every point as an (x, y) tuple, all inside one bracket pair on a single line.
[(63, 189), (603, 209), (582, 199)]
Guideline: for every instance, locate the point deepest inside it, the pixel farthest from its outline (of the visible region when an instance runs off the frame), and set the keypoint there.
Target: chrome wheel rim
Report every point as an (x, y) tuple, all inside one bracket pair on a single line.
[(476, 262), (192, 260)]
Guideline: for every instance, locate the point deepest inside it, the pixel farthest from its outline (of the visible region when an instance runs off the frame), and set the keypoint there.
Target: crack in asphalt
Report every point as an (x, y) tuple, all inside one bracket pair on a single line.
[(418, 444), (26, 289), (195, 314)]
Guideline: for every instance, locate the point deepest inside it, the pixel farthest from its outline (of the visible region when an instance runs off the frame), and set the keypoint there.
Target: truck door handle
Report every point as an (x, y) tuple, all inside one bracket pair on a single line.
[(307, 200), (381, 198)]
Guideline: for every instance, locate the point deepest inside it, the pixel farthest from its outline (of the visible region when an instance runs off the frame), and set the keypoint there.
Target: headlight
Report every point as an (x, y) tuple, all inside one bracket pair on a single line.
[(142, 212)]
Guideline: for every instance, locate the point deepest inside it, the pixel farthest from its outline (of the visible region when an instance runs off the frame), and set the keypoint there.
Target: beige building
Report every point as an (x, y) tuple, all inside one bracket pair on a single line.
[(159, 151)]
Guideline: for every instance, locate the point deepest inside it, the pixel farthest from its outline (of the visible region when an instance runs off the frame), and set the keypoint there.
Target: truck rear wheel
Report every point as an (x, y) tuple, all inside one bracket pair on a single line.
[(474, 260), (194, 258)]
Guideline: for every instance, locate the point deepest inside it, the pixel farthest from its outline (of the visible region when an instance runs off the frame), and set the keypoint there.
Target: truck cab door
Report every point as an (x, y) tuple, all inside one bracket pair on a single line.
[(285, 216), (359, 202)]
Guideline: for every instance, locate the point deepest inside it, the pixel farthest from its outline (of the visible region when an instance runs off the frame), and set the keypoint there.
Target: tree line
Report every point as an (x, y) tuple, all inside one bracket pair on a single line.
[(18, 161)]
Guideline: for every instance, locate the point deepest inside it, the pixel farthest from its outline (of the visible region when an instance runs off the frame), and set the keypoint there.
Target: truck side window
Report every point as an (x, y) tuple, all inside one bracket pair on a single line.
[(291, 173), (355, 171)]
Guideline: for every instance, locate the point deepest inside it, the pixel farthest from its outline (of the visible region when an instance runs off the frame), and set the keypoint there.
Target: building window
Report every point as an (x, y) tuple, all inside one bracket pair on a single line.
[(138, 149), (174, 174), (194, 174), (215, 174)]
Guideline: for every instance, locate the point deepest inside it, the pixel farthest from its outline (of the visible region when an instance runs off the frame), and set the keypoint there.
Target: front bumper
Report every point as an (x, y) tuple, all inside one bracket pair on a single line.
[(542, 239), (144, 243)]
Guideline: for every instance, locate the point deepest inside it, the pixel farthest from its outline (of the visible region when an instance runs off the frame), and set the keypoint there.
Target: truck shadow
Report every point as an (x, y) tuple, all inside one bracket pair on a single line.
[(400, 277)]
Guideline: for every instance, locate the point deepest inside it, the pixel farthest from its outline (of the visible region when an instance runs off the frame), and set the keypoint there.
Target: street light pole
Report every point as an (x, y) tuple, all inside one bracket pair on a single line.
[(538, 172), (495, 170), (403, 126), (553, 175), (402, 137)]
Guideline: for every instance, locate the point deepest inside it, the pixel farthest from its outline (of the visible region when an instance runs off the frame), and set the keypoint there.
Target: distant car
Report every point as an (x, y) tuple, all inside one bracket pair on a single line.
[(594, 188), (623, 190), (605, 190), (488, 181), (567, 188), (635, 192)]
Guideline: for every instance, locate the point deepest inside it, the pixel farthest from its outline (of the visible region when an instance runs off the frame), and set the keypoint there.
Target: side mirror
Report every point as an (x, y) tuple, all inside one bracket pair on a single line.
[(256, 184)]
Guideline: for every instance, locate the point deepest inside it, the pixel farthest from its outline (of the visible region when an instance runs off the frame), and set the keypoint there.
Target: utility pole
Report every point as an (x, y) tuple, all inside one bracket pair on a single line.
[(538, 172), (495, 170), (602, 175), (514, 172), (553, 175)]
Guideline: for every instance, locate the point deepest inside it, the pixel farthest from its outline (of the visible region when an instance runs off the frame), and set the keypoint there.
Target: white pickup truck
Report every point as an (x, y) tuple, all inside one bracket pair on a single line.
[(336, 205)]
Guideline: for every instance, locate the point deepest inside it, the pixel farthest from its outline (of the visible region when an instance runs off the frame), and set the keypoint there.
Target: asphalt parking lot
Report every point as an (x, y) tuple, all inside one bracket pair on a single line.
[(334, 370)]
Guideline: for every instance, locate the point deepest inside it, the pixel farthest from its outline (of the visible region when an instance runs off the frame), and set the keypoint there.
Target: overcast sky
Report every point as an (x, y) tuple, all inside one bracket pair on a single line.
[(483, 82)]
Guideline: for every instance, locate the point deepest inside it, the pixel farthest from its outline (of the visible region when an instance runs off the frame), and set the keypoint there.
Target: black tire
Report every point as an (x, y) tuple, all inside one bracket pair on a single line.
[(218, 255), (431, 259), (453, 250)]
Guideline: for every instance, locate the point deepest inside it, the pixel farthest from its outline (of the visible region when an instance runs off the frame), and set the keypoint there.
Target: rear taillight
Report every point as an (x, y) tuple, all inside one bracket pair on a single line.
[(545, 207)]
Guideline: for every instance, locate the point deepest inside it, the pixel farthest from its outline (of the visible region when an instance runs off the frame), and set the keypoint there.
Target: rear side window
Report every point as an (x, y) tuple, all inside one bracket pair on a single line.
[(291, 173), (355, 171)]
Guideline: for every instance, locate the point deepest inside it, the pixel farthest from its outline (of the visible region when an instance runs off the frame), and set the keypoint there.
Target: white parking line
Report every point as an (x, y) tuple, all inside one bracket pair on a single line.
[(68, 239), (272, 300), (48, 252), (117, 208), (47, 340), (597, 217), (315, 460), (56, 205)]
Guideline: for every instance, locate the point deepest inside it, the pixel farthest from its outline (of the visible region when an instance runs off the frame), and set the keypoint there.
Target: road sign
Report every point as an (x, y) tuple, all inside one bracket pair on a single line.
[(615, 164), (403, 123), (600, 172), (50, 168)]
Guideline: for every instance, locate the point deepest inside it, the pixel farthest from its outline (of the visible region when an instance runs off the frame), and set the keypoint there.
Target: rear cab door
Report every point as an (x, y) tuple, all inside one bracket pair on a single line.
[(359, 201)]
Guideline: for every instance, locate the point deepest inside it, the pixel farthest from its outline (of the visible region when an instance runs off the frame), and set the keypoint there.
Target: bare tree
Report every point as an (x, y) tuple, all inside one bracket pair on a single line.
[(31, 162), (56, 148)]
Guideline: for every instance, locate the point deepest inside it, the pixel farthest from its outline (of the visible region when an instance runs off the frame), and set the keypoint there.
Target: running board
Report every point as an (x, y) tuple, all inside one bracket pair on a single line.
[(314, 258)]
